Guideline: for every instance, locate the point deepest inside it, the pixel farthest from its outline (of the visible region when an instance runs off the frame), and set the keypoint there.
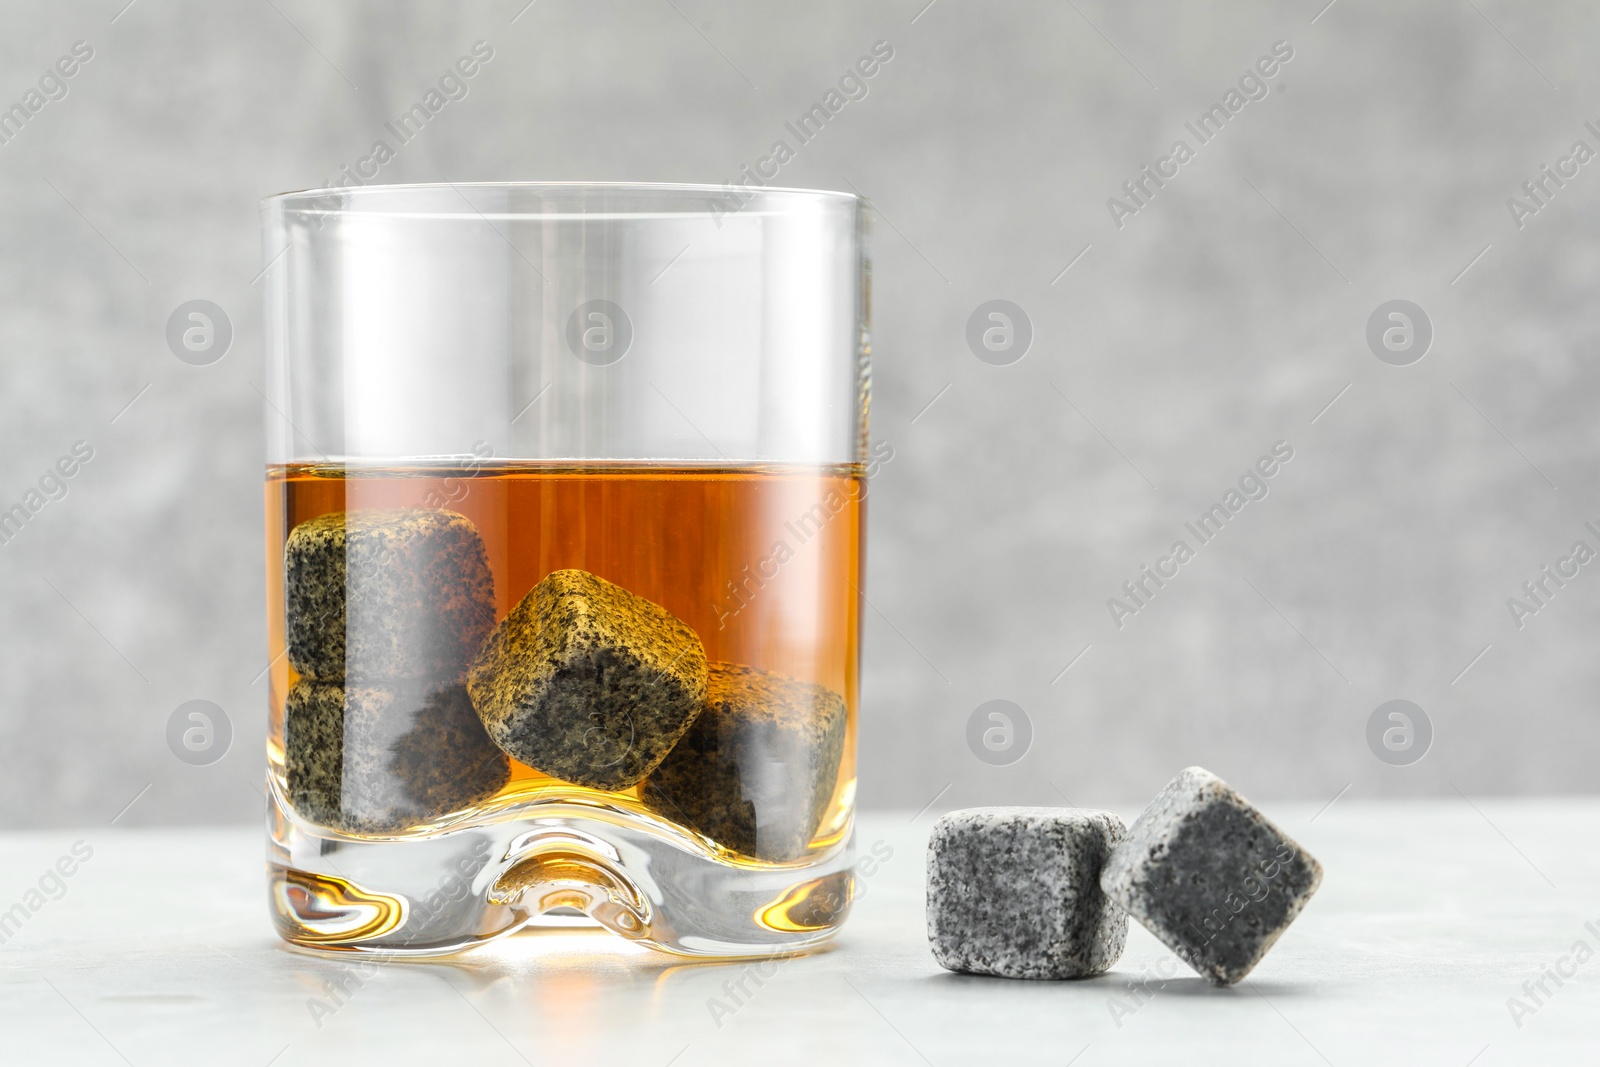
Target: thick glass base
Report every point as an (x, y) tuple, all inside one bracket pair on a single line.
[(552, 861)]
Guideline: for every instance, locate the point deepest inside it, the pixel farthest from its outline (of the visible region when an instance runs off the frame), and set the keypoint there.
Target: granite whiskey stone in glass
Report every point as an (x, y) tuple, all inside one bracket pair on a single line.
[(565, 506)]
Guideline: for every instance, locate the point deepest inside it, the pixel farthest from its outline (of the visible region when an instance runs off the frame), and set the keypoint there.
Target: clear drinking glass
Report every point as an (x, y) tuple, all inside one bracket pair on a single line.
[(564, 508)]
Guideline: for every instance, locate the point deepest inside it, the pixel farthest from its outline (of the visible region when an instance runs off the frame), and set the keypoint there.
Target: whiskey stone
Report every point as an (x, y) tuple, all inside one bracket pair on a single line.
[(756, 771), (1015, 892), (383, 759), (383, 594), (1207, 874), (588, 683)]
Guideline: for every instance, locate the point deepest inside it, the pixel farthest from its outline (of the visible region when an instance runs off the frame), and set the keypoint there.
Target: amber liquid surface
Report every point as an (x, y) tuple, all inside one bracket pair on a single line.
[(764, 563)]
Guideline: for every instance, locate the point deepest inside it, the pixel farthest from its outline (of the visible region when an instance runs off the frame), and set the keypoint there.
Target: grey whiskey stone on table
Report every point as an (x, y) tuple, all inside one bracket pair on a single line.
[(757, 770), (587, 682), (379, 759), (386, 593), (1015, 892), (1208, 875)]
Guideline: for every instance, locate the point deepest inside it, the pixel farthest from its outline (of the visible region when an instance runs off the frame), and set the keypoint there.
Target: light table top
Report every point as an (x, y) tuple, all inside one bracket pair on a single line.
[(1431, 917)]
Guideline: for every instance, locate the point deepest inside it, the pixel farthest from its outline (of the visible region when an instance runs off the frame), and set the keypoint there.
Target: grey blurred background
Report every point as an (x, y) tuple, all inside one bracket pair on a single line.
[(1228, 314)]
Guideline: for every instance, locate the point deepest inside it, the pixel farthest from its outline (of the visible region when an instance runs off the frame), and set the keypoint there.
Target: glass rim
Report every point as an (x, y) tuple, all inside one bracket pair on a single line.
[(316, 199)]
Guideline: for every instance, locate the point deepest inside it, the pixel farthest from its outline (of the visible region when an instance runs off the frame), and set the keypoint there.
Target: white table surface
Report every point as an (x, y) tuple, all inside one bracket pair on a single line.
[(1431, 916)]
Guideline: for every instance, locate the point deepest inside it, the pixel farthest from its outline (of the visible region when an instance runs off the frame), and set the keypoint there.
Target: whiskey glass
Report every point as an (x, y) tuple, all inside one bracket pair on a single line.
[(564, 531)]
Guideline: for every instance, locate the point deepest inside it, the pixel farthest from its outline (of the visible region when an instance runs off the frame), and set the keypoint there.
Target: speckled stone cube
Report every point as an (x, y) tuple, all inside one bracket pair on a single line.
[(1015, 892), (756, 771), (1208, 875), (381, 594), (587, 682), (382, 759)]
